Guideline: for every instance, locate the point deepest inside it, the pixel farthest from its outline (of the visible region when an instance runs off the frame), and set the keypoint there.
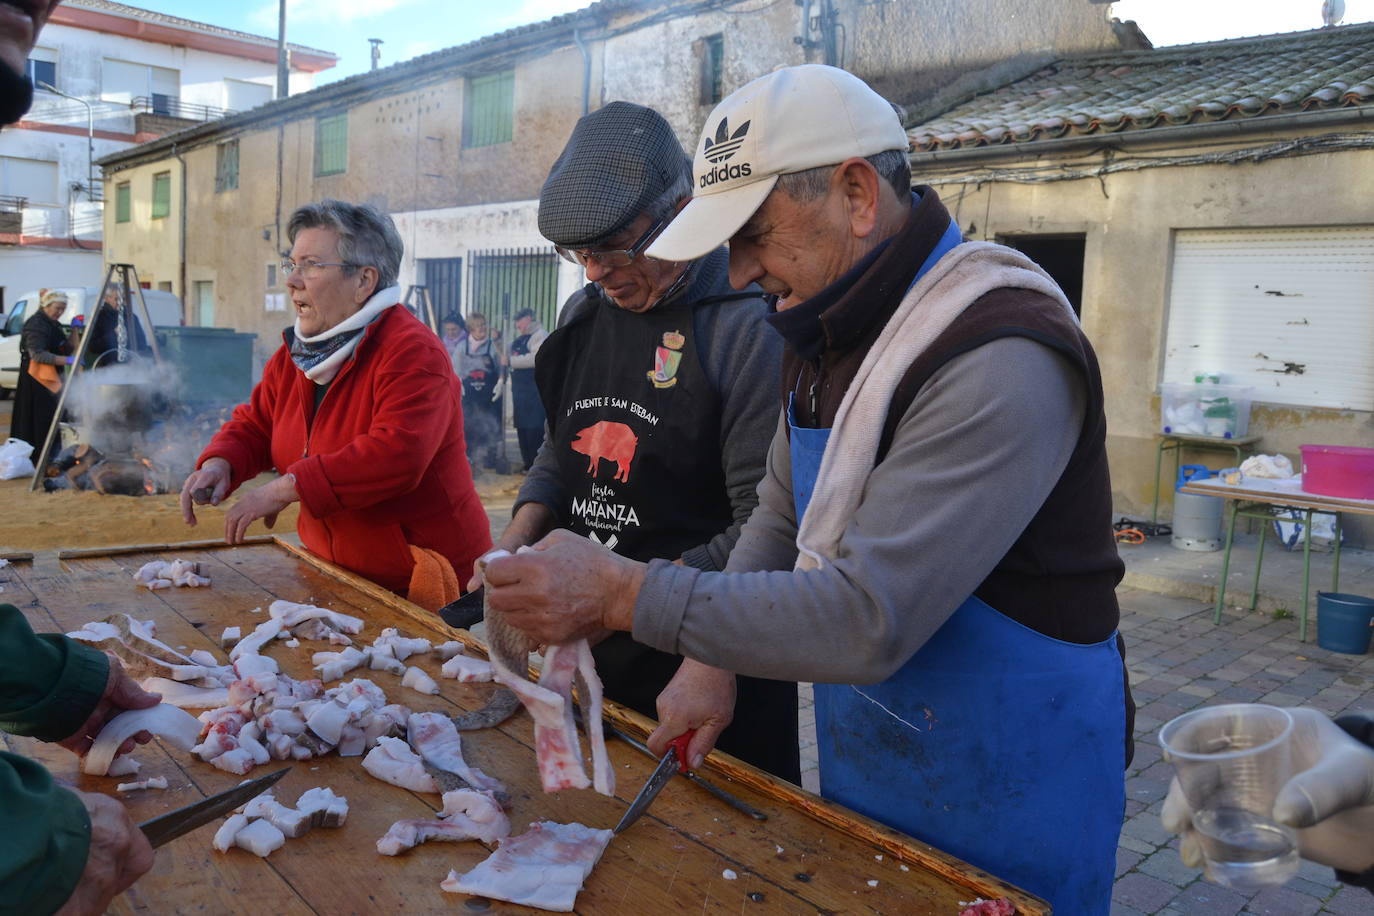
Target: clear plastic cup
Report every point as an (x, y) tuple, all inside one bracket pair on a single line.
[(1231, 762)]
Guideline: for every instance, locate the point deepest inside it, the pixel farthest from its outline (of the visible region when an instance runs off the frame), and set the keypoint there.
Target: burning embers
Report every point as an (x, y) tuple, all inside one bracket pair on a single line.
[(84, 467)]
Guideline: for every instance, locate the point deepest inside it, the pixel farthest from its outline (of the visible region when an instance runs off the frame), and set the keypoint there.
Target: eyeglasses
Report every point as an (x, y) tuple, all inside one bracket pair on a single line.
[(309, 268), (613, 257)]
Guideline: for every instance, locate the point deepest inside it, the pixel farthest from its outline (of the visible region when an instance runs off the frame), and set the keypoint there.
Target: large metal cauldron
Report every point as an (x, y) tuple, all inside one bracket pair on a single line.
[(124, 406)]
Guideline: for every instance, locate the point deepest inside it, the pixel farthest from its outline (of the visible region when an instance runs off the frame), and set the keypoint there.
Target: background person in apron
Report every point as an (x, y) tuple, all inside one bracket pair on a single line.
[(933, 541), (659, 389), (479, 363)]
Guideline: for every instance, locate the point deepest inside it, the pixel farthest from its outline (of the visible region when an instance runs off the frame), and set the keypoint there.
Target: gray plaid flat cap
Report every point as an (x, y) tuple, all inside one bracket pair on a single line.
[(619, 160)]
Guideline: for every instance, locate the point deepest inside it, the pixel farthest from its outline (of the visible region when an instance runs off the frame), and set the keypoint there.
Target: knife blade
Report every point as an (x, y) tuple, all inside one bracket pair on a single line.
[(733, 801), (673, 761), (183, 820), (466, 612)]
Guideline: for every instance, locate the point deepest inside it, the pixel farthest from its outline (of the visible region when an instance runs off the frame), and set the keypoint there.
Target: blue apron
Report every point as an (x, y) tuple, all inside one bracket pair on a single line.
[(994, 743)]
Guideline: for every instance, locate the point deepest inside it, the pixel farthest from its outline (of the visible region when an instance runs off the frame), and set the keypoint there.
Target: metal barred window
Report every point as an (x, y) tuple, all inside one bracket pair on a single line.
[(501, 281), (331, 145), (227, 166), (123, 204), (162, 195), (490, 111)]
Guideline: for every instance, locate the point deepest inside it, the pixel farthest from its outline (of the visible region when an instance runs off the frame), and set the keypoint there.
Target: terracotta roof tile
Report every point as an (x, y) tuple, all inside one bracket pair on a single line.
[(1137, 90)]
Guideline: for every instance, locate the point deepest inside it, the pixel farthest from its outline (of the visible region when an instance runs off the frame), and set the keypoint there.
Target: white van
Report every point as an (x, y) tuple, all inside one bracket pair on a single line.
[(164, 307)]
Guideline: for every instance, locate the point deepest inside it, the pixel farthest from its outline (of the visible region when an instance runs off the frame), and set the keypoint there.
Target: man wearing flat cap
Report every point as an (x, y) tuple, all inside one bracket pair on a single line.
[(660, 390), (933, 542)]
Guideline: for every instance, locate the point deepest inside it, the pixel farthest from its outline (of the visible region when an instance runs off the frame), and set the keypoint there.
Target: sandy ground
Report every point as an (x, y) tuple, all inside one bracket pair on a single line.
[(32, 521)]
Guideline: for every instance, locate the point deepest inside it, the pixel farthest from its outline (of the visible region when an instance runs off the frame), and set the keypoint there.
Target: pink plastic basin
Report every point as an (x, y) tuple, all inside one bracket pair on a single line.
[(1338, 470)]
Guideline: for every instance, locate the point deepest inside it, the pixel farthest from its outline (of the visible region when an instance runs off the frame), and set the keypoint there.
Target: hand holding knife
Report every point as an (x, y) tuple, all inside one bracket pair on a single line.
[(674, 761)]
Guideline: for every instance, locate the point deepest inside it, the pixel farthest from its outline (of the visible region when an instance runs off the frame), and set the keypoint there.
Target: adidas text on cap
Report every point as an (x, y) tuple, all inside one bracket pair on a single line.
[(791, 120)]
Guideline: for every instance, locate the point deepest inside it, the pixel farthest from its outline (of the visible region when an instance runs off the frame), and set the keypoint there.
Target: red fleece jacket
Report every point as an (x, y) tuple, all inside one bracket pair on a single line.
[(381, 465)]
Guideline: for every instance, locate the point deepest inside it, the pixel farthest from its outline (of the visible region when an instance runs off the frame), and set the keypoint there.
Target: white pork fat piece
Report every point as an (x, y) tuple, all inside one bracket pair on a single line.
[(417, 680), (224, 836), (230, 636), (178, 727), (152, 782), (260, 838), (543, 867), (435, 738), (292, 614), (324, 807), (467, 670), (467, 815), (446, 650), (393, 761), (184, 695), (252, 644)]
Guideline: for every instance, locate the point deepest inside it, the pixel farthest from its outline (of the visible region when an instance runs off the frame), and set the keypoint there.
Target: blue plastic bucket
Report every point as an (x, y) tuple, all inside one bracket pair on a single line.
[(1343, 622)]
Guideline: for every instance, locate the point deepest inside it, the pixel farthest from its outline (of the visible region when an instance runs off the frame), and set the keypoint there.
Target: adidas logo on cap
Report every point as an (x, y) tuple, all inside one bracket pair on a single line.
[(725, 143)]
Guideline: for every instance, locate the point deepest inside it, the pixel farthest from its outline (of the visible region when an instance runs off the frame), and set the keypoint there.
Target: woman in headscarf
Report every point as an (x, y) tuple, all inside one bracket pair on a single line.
[(44, 352), (360, 413)]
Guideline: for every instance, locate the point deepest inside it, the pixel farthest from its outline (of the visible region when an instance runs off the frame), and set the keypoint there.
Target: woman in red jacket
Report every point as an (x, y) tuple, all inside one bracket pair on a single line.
[(359, 411)]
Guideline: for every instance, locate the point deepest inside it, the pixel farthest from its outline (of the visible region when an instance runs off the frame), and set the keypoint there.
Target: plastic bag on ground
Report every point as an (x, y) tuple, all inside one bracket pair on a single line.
[(14, 459)]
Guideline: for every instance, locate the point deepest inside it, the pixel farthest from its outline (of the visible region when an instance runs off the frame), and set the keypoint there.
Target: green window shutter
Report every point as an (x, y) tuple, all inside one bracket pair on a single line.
[(122, 204), (162, 195), (331, 145), (227, 166), (490, 109)]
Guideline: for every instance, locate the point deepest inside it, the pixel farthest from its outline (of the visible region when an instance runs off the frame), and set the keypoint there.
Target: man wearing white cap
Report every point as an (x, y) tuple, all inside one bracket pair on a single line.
[(932, 544)]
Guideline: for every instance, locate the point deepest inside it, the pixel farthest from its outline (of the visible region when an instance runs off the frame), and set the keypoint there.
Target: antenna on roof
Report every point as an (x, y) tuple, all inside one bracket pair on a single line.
[(376, 51)]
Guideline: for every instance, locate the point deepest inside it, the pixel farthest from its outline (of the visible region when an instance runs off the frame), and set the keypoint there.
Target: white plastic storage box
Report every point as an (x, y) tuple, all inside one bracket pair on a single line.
[(1220, 411)]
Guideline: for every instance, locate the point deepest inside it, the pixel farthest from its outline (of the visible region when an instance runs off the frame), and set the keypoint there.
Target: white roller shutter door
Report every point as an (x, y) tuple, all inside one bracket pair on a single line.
[(1289, 312)]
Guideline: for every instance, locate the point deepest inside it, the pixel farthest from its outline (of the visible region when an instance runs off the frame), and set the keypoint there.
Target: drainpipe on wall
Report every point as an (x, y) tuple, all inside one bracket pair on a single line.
[(586, 71), (182, 267)]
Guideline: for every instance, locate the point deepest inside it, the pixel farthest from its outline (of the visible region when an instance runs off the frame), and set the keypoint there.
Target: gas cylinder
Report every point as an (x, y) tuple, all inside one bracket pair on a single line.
[(1197, 519)]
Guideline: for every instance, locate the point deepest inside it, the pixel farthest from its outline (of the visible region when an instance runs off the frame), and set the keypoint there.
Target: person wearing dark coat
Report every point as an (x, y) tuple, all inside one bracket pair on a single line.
[(528, 409), (104, 346), (44, 351)]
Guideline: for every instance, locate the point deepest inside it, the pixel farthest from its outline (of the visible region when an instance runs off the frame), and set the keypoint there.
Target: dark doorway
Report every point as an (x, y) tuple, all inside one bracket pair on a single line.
[(443, 277), (1060, 255)]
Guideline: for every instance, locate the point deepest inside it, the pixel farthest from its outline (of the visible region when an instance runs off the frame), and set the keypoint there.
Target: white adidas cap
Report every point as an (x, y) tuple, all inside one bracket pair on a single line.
[(793, 119)]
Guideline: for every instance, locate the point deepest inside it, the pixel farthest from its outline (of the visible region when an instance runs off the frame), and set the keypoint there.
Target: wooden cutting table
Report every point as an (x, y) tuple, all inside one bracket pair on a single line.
[(809, 856)]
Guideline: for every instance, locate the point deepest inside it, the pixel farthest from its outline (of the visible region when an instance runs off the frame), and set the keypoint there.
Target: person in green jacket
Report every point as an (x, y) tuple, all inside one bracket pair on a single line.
[(64, 851)]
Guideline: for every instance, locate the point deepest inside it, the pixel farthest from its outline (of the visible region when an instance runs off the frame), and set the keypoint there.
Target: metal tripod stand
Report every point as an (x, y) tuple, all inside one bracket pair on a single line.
[(127, 284)]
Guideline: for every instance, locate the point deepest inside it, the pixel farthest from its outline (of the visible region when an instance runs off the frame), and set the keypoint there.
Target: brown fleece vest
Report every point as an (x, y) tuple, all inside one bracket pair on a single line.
[(1059, 577)]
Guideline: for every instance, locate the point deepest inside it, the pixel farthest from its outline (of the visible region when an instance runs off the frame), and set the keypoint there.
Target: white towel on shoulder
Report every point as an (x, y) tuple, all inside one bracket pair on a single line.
[(955, 282)]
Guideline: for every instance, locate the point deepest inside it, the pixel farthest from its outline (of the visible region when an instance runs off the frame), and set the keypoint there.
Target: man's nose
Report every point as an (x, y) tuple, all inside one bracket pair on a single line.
[(596, 270)]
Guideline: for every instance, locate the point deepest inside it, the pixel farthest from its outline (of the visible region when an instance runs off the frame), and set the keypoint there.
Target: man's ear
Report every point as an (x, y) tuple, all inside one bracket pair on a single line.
[(861, 189)]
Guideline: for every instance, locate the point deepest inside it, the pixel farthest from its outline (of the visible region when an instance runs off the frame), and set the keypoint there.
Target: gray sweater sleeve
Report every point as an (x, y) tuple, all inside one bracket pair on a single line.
[(742, 357), (975, 456)]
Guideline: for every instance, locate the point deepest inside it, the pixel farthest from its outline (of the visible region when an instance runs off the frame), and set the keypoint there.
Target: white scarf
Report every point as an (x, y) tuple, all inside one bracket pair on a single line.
[(323, 372), (954, 283)]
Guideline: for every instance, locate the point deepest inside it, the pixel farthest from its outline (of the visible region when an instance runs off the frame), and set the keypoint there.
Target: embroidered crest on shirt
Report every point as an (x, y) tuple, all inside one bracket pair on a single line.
[(666, 360)]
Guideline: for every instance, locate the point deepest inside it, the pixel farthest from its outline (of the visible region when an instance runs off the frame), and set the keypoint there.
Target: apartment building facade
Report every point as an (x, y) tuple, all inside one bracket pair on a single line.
[(456, 144), (108, 77)]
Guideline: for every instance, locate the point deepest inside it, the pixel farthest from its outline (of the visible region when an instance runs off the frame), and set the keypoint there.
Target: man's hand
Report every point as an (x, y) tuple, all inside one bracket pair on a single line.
[(566, 588), (122, 693), (530, 523), (1330, 799), (119, 855), (207, 485), (263, 503), (699, 697)]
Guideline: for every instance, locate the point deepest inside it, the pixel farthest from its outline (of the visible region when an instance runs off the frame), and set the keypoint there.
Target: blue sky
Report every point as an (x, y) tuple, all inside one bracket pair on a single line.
[(413, 27)]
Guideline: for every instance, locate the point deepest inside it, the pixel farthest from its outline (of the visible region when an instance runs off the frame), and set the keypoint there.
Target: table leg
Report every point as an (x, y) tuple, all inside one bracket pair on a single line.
[(1226, 562), (1336, 565), (1159, 461), (1306, 573), (1259, 561)]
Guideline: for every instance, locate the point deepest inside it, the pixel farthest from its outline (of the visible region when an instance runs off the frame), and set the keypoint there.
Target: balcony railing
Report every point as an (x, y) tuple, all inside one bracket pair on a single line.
[(168, 106), (10, 204)]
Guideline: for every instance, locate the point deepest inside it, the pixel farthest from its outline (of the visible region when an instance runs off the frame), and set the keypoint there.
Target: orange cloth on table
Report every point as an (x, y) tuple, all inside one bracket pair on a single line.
[(433, 583)]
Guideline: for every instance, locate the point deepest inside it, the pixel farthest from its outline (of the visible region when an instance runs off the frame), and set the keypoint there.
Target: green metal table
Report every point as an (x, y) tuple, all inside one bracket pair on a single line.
[(1256, 497)]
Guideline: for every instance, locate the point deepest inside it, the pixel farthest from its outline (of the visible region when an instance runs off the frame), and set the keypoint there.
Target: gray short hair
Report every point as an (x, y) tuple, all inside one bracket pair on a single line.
[(891, 165), (367, 236)]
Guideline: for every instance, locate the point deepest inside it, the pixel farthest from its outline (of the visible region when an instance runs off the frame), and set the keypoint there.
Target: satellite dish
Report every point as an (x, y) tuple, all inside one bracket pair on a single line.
[(1333, 11)]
